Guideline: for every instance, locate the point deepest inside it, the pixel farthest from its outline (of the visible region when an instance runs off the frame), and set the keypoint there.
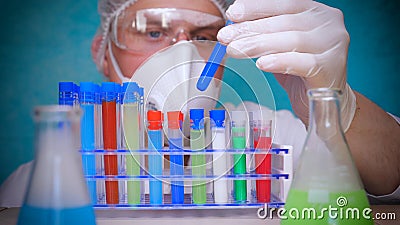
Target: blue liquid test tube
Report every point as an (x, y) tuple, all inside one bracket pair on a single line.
[(176, 157), (66, 93), (212, 65), (87, 102), (154, 132)]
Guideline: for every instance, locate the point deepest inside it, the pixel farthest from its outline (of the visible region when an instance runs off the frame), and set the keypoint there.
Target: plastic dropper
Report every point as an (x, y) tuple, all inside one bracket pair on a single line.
[(212, 65)]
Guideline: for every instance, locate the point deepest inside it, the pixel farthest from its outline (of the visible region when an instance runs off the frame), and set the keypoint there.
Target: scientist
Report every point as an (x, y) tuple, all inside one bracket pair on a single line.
[(302, 42)]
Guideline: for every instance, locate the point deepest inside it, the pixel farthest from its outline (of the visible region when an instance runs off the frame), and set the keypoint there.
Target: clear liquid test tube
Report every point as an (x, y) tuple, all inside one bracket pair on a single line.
[(220, 158), (100, 184)]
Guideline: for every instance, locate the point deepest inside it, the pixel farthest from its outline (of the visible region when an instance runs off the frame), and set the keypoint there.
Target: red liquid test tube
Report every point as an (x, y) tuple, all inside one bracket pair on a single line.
[(262, 142), (263, 166), (110, 140)]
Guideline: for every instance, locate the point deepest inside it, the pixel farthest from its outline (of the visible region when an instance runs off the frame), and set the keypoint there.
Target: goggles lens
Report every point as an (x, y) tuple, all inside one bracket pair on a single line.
[(153, 29)]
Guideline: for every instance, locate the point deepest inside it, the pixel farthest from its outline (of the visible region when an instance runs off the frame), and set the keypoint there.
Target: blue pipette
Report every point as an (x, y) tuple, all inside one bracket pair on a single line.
[(212, 65)]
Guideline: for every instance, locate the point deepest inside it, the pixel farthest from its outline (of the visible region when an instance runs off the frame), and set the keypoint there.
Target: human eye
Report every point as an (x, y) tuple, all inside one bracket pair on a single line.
[(204, 36), (154, 34)]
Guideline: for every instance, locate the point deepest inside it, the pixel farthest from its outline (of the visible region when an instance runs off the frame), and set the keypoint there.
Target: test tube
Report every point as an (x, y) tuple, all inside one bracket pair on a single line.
[(142, 135), (155, 144), (238, 131), (220, 160), (110, 139), (262, 142), (97, 118), (130, 115), (197, 143), (87, 102), (99, 145), (212, 64), (251, 184), (66, 93), (176, 158)]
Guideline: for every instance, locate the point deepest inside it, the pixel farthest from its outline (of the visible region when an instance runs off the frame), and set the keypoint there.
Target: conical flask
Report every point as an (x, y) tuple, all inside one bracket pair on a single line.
[(57, 192), (326, 187)]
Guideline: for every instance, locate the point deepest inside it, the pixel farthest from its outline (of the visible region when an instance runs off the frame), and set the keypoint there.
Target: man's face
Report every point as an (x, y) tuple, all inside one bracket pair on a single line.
[(129, 60)]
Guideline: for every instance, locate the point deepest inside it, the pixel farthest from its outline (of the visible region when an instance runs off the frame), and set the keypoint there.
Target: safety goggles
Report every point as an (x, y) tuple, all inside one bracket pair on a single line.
[(154, 29)]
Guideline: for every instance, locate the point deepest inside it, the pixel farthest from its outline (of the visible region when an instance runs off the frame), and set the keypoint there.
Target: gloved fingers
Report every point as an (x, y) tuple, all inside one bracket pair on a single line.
[(243, 10), (293, 63), (288, 41), (275, 24)]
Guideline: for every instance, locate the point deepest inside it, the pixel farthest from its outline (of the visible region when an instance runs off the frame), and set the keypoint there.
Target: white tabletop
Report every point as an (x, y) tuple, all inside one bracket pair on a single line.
[(9, 216), (164, 217)]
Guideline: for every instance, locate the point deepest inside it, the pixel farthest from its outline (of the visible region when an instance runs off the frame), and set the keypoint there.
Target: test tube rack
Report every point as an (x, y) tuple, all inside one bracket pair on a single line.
[(117, 190), (281, 177)]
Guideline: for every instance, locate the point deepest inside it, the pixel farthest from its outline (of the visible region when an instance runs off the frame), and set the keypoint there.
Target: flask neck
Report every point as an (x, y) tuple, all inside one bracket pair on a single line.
[(325, 113), (56, 179), (56, 124)]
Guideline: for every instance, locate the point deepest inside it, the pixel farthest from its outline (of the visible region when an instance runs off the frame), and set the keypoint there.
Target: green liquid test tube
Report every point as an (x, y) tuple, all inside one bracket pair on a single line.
[(197, 143), (238, 127), (130, 118)]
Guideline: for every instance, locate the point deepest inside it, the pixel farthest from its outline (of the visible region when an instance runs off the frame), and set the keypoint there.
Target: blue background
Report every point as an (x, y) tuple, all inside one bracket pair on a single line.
[(44, 42)]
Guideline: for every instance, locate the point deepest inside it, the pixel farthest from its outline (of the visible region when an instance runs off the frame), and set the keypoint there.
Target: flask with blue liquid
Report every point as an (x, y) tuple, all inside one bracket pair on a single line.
[(57, 192)]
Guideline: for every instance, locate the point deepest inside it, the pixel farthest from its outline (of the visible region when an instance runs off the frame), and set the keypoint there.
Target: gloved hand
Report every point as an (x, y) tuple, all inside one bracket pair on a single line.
[(302, 42)]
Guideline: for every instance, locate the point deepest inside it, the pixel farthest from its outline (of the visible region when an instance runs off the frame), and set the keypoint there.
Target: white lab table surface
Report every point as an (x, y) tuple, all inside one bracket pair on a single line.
[(9, 216)]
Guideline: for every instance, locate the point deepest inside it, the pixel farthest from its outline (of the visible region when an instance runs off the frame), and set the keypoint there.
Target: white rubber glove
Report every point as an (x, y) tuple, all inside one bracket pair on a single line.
[(304, 43)]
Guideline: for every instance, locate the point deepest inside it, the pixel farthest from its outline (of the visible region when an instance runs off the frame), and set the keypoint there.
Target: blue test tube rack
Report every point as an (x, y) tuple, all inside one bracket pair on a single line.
[(92, 148), (280, 178)]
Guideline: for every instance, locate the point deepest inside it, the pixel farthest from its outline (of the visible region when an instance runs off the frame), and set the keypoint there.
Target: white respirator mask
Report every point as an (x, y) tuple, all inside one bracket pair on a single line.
[(169, 79)]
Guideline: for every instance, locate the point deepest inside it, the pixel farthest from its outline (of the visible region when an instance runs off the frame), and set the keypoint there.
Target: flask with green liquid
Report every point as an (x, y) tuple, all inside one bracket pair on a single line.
[(326, 188)]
